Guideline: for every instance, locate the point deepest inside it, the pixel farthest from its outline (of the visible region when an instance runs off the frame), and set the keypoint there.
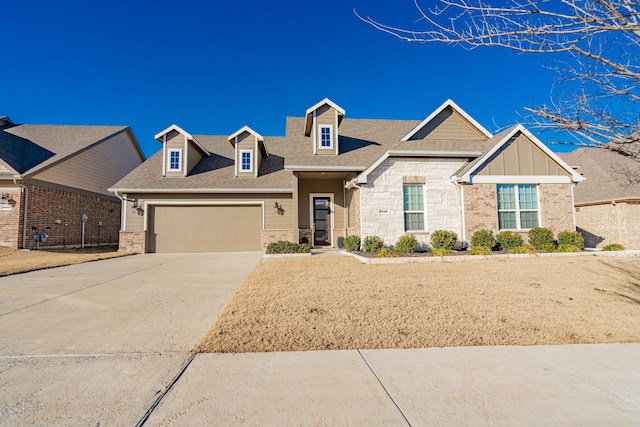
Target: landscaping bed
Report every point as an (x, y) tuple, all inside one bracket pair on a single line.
[(340, 303), (14, 261)]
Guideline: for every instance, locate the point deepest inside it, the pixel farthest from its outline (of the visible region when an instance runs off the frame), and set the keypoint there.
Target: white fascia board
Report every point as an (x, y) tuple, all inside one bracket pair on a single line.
[(330, 103), (246, 129), (576, 177), (324, 168), (447, 103), (159, 137), (201, 190), (521, 179), (362, 178)]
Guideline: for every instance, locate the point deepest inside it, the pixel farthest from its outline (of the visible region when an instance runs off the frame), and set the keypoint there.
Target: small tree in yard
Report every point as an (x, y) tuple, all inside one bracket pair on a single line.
[(594, 45)]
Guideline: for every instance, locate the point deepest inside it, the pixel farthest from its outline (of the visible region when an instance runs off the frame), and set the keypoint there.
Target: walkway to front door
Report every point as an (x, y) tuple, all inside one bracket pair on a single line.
[(322, 221)]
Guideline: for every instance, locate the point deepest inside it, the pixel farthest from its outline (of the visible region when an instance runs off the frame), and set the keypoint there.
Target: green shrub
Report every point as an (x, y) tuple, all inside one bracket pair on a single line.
[(397, 252), (483, 238), (480, 250), (613, 247), (352, 243), (539, 236), (407, 244), (372, 244), (567, 248), (440, 252), (573, 238), (384, 253), (284, 247), (548, 247), (443, 239), (508, 240), (526, 249)]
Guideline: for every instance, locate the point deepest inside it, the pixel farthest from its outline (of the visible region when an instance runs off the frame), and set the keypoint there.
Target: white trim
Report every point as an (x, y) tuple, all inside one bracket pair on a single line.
[(319, 130), (424, 210), (329, 102), (517, 210), (447, 103), (164, 155), (174, 150), (311, 214), (362, 178), (201, 190), (573, 203), (520, 179), (123, 208), (303, 168), (185, 159), (183, 132), (315, 138), (240, 169), (466, 177), (245, 129), (255, 156), (235, 162), (337, 140), (152, 202)]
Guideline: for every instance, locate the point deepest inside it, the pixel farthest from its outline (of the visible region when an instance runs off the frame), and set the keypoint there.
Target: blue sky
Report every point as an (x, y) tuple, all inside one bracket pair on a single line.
[(213, 67)]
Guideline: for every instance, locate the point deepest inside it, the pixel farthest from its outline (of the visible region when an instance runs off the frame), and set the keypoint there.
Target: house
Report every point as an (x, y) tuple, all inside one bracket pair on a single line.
[(331, 176), (608, 202), (52, 175)]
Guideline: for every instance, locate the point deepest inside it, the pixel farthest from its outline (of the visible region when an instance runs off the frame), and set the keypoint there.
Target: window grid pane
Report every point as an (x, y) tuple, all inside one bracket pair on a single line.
[(527, 196), (528, 219), (414, 221), (507, 220), (174, 160), (413, 197), (325, 137), (506, 197), (517, 206), (246, 161)]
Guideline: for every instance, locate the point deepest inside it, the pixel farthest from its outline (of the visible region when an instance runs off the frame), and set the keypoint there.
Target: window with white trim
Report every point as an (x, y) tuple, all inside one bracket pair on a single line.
[(246, 165), (175, 160), (413, 195), (517, 206), (326, 136)]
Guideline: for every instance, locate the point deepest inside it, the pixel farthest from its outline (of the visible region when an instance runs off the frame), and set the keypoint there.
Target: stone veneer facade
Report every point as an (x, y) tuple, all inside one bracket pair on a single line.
[(383, 204), (608, 223)]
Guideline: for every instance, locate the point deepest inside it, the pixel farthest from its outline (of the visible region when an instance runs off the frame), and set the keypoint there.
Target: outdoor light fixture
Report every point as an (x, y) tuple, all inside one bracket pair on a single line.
[(277, 208), (6, 198)]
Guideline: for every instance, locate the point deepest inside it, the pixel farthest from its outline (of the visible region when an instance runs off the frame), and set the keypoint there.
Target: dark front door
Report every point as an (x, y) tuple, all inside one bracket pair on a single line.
[(322, 221)]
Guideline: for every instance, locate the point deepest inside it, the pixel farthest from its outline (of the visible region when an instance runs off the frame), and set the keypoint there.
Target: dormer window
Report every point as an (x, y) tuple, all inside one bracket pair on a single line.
[(175, 160), (326, 136), (246, 164)]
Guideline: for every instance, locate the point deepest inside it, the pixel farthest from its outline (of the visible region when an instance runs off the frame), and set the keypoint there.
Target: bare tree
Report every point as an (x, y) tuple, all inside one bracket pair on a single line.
[(596, 50)]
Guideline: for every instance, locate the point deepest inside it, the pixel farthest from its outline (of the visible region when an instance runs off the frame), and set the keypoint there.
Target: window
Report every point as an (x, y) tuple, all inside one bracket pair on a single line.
[(517, 206), (175, 161), (413, 207), (246, 165), (326, 137)]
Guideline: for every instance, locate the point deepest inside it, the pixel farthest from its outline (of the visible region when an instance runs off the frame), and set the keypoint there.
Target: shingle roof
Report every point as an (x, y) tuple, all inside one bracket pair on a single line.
[(214, 172), (30, 148), (607, 175)]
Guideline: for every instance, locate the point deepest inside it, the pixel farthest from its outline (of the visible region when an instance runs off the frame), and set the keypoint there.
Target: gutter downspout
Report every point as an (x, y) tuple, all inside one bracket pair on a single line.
[(25, 205), (123, 210), (463, 219)]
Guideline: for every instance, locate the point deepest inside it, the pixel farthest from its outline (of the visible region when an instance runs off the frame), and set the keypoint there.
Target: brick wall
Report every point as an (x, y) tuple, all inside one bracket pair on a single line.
[(274, 236), (609, 223), (11, 219), (60, 211), (481, 208), (131, 241)]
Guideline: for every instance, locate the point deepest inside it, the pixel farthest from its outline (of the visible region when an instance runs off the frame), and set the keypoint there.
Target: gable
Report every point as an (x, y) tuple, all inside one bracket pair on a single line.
[(448, 124), (98, 167), (519, 156)]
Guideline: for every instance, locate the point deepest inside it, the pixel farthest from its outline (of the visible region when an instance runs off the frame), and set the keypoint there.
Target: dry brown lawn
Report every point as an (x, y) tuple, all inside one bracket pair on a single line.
[(339, 303), (14, 261)]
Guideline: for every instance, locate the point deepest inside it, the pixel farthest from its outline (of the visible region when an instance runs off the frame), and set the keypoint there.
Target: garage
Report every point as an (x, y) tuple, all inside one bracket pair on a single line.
[(228, 228)]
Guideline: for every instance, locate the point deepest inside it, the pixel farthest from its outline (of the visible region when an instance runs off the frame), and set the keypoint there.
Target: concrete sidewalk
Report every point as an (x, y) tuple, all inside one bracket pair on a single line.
[(512, 386)]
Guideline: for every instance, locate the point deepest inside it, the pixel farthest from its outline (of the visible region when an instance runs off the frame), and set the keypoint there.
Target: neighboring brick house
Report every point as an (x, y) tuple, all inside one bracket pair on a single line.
[(330, 177), (608, 202), (50, 175)]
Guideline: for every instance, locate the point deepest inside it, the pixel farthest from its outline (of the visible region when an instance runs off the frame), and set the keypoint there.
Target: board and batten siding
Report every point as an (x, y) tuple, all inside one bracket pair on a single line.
[(521, 157), (272, 220), (97, 168), (449, 125)]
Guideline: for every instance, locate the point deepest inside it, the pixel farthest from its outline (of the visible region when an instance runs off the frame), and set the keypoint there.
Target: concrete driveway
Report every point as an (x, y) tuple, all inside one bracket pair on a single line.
[(97, 343)]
